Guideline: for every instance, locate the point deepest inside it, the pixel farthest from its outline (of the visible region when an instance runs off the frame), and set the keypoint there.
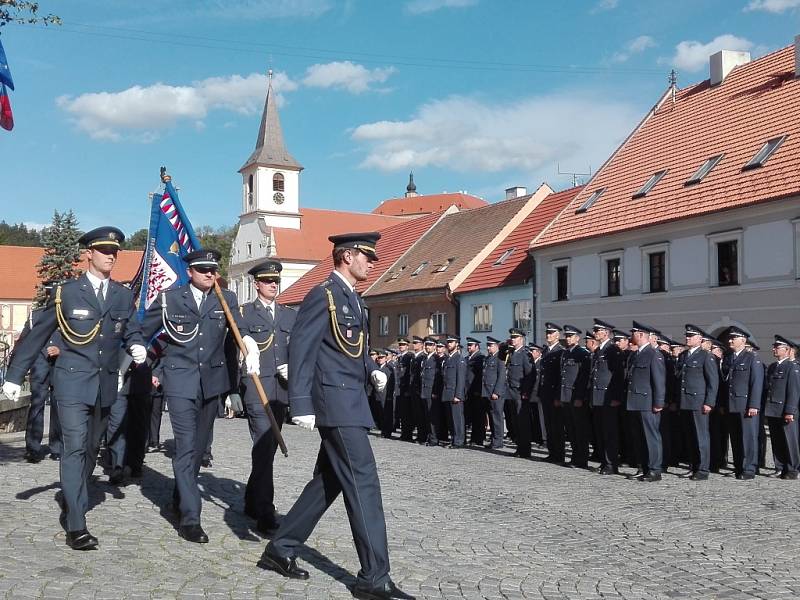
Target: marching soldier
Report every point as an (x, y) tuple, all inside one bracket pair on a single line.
[(670, 417), (91, 313), (520, 376), (550, 393), (328, 371), (698, 380), (195, 373), (427, 394), (539, 433), (453, 391), (781, 407), (493, 390), (575, 367), (476, 411), (717, 420), (405, 398), (269, 325), (646, 391), (419, 406), (607, 385), (744, 374)]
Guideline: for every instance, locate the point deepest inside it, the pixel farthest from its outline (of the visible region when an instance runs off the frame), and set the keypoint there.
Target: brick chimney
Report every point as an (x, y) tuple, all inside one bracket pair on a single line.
[(516, 192), (724, 61)]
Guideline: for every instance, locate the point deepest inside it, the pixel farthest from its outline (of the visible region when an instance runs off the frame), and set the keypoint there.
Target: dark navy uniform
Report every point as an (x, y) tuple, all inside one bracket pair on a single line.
[(781, 400), (607, 388), (493, 391), (549, 394), (84, 377), (428, 375), (475, 410), (270, 328), (744, 375), (575, 369), (407, 399), (520, 378), (454, 375), (196, 374), (328, 370), (698, 380), (420, 407), (646, 392)]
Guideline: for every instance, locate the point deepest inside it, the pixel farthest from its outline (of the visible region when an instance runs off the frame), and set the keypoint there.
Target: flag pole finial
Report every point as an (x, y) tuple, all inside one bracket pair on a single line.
[(164, 176)]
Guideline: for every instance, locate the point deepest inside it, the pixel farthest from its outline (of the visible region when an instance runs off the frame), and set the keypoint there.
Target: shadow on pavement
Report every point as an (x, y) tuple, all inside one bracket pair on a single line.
[(228, 494), (321, 562)]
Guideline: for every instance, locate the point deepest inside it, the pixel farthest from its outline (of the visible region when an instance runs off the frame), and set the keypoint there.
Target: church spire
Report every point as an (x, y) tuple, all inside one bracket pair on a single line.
[(411, 188), (270, 150)]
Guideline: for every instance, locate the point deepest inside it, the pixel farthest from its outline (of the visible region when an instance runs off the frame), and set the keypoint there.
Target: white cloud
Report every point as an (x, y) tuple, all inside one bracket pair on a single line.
[(418, 7), (36, 226), (693, 56), (465, 134), (772, 6), (635, 46), (345, 75), (140, 112), (603, 5), (266, 9)]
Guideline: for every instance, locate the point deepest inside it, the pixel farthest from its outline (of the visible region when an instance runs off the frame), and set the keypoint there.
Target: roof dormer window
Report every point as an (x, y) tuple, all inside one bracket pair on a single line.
[(650, 184), (590, 200), (704, 169), (420, 268), (762, 156), (443, 267), (504, 256)]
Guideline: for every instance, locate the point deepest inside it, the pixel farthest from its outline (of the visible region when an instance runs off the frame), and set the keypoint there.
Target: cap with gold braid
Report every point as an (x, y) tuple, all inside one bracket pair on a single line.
[(365, 242), (108, 237), (269, 270)]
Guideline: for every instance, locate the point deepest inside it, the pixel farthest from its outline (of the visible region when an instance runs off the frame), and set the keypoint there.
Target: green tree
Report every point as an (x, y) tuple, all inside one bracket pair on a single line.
[(220, 239), (24, 12), (137, 241), (18, 235), (61, 252)]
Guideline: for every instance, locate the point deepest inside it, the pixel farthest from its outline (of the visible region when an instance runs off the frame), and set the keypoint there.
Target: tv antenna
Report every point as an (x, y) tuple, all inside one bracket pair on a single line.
[(574, 174)]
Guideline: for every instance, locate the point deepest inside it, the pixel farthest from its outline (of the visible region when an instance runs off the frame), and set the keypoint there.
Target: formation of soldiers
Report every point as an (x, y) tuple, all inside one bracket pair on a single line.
[(624, 397)]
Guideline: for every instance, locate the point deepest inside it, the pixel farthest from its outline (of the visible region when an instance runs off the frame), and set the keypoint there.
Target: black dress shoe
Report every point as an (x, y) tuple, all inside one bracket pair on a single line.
[(81, 540), (789, 475), (206, 463), (609, 471), (33, 457), (699, 476), (285, 566), (136, 472), (55, 456), (650, 477), (117, 476), (747, 476), (267, 524), (193, 533), (387, 591)]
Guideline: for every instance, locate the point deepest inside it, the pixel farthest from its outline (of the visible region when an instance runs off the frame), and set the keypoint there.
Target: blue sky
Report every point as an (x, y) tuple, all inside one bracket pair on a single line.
[(474, 95)]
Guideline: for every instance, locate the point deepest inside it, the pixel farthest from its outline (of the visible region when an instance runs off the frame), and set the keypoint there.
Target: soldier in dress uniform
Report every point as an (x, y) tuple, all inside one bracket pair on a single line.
[(419, 406), (646, 398), (328, 370), (493, 390), (575, 369), (438, 421), (454, 377), (430, 401), (538, 431), (781, 408), (607, 386), (717, 420), (744, 373), (475, 409), (698, 381), (627, 450), (269, 325), (670, 417), (589, 341), (520, 376), (91, 313), (550, 393), (195, 372), (385, 396)]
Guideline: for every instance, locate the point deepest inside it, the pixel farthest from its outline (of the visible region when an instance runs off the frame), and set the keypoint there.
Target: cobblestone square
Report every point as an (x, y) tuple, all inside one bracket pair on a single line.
[(461, 523)]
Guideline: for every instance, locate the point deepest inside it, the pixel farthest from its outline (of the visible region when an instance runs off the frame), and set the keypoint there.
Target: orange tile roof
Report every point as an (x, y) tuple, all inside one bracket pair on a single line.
[(395, 240), (459, 236), (756, 102), (427, 204), (517, 268), (310, 242), (18, 270)]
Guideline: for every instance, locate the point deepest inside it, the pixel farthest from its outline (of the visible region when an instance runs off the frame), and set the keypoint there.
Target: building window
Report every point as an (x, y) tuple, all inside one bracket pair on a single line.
[(438, 323), (704, 169), (613, 277), (250, 191), (402, 324), (650, 183), (522, 315), (767, 150), (420, 268), (443, 267), (249, 249), (482, 317), (728, 263), (504, 256), (657, 269), (590, 200), (277, 182), (562, 282), (383, 325)]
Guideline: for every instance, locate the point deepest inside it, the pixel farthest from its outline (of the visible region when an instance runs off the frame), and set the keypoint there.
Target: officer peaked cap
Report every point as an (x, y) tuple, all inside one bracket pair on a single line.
[(752, 344), (440, 343), (782, 341), (637, 326), (365, 242), (269, 270), (620, 335), (417, 338), (402, 340), (571, 330), (516, 332), (532, 346), (694, 330), (472, 340), (598, 324), (203, 258), (491, 340), (551, 327), (102, 236), (429, 340), (589, 335), (453, 338), (734, 331)]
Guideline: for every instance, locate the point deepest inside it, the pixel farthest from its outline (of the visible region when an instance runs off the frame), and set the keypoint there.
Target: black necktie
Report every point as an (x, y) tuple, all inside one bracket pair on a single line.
[(270, 320), (100, 299)]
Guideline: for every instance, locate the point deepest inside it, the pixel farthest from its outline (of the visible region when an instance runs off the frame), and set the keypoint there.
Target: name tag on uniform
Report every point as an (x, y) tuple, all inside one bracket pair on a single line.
[(80, 312), (219, 312), (349, 333), (178, 327), (118, 327)]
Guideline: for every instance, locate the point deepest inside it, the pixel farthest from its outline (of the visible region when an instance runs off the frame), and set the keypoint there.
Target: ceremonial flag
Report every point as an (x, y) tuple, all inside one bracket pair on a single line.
[(5, 72), (6, 116), (170, 238)]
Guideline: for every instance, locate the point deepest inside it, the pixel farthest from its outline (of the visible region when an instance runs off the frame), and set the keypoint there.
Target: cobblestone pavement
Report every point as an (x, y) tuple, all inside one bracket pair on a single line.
[(461, 523)]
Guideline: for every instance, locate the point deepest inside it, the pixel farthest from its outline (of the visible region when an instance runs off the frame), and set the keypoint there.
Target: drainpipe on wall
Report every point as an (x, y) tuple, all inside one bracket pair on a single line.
[(449, 295), (534, 296)]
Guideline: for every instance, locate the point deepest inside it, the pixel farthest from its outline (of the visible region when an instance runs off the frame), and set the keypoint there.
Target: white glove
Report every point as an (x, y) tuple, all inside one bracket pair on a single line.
[(252, 360), (305, 421), (283, 372), (379, 380), (139, 353), (250, 345), (120, 380), (228, 402), (11, 390)]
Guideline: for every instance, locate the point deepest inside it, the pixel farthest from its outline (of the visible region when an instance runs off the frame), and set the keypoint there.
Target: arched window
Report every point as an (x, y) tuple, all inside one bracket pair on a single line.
[(277, 182), (250, 191)]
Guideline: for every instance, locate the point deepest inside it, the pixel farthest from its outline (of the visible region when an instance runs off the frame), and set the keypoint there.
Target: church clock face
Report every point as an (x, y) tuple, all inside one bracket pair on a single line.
[(278, 198)]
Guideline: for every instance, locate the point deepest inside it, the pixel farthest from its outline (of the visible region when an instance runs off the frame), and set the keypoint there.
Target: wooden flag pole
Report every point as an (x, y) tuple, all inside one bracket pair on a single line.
[(256, 380)]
